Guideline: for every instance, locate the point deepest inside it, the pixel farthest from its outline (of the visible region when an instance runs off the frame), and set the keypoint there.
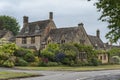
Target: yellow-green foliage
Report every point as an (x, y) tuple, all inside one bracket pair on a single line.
[(50, 51), (69, 50), (89, 50), (6, 54)]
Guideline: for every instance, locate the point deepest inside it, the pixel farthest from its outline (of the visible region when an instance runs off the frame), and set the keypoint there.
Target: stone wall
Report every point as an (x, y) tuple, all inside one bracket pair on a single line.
[(8, 35), (18, 41), (29, 44), (103, 58)]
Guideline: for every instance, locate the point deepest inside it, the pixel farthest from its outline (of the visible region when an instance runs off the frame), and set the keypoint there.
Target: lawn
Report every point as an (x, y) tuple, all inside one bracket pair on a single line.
[(64, 68), (5, 75)]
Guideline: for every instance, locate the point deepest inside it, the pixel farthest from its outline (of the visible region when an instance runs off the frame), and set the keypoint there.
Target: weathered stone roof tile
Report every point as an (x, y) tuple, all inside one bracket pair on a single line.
[(96, 42)]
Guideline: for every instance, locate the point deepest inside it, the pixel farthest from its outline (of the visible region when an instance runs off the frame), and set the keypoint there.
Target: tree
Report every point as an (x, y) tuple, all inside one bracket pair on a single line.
[(9, 23), (110, 13), (114, 52)]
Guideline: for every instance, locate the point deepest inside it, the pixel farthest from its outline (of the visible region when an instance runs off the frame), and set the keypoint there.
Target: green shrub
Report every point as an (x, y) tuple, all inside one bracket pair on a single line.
[(50, 51), (29, 57), (33, 64), (80, 63), (94, 62), (115, 60), (42, 64), (69, 50), (52, 64), (66, 61), (8, 63), (20, 52), (71, 63), (6, 54), (21, 62)]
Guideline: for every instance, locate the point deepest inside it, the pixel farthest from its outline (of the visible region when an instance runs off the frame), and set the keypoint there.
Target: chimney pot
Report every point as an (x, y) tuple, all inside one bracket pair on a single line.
[(25, 19), (98, 33), (50, 15), (80, 24)]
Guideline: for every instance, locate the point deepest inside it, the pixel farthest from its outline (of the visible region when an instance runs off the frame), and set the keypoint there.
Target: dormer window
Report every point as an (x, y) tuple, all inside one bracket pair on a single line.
[(62, 41), (27, 29), (82, 41), (49, 41), (37, 28)]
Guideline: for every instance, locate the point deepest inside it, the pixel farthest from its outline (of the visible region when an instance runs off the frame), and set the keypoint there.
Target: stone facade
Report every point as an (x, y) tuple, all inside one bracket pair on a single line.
[(75, 34), (40, 33), (103, 58), (6, 35), (37, 35), (33, 33)]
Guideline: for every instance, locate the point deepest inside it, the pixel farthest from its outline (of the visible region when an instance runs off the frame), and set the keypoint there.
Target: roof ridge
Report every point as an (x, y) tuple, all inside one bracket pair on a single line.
[(92, 35), (38, 21), (66, 27)]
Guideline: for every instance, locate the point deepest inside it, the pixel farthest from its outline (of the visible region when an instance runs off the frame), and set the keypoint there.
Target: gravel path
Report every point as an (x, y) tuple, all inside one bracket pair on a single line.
[(70, 75)]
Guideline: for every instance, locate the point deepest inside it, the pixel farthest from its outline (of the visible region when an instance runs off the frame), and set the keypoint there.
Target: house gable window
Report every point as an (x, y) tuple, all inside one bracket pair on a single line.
[(33, 40), (24, 40), (49, 41), (62, 41), (82, 41)]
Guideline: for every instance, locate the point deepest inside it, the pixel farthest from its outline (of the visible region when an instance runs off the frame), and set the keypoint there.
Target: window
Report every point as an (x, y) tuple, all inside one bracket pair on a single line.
[(62, 41), (49, 41), (24, 40), (100, 57), (32, 40), (104, 57), (82, 41)]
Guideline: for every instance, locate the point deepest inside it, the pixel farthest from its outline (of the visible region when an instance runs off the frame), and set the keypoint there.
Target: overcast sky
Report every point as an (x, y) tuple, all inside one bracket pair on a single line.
[(67, 13)]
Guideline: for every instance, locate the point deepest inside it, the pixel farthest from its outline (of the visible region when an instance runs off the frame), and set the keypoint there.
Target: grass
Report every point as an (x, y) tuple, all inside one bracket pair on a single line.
[(5, 75), (64, 68)]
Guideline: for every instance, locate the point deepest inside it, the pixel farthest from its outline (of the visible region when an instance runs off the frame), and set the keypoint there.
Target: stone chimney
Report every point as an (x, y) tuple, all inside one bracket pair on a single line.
[(98, 33), (25, 21), (51, 15), (80, 24)]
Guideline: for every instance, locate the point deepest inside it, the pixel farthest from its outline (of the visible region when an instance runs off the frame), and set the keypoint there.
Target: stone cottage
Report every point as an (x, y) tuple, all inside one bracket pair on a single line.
[(33, 33), (75, 34), (36, 35)]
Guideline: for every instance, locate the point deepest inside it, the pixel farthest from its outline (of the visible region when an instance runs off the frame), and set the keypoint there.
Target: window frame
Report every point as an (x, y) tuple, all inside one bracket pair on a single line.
[(62, 41), (32, 39), (24, 40)]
